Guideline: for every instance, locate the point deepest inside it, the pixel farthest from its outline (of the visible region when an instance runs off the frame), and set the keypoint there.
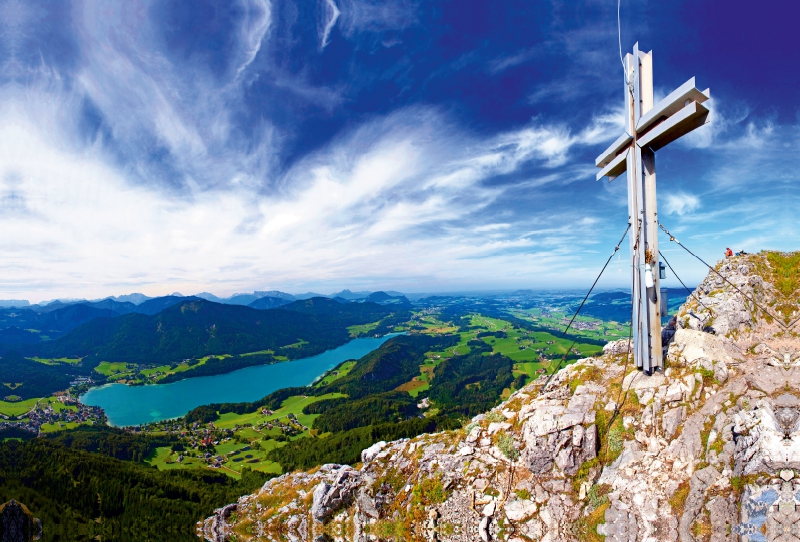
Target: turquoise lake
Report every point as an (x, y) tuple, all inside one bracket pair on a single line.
[(135, 405)]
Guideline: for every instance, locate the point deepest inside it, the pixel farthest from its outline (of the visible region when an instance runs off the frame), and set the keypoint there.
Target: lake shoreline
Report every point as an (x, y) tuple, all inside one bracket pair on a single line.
[(127, 405)]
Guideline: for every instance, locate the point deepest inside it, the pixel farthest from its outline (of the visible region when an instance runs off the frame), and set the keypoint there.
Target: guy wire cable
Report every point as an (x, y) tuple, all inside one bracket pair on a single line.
[(620, 398), (616, 248), (619, 40), (628, 84), (691, 293), (673, 239)]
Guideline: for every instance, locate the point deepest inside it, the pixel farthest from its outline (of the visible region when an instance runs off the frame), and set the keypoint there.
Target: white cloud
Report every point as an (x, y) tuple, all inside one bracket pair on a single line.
[(258, 17), (501, 64), (376, 16), (328, 15), (360, 209), (606, 126), (681, 203)]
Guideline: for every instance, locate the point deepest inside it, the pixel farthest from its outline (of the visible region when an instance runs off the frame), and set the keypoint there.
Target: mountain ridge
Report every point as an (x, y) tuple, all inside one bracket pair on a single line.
[(694, 452)]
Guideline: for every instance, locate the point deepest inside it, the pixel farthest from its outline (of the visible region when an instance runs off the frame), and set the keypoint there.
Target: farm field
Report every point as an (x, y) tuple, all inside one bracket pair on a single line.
[(55, 361), (251, 438), (16, 408), (362, 329), (531, 351), (114, 368), (293, 405), (584, 326), (165, 459), (61, 426), (335, 373)]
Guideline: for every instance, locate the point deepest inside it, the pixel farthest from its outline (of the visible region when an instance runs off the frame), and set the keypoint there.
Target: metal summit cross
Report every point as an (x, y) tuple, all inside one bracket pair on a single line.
[(647, 129)]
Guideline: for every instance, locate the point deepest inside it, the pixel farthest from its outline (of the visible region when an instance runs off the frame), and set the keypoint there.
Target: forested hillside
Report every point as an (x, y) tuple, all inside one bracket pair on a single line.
[(81, 496), (395, 362), (26, 378), (195, 328), (22, 326)]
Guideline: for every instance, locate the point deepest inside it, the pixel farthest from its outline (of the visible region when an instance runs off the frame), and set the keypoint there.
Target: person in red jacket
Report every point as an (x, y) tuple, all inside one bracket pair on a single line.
[(728, 252)]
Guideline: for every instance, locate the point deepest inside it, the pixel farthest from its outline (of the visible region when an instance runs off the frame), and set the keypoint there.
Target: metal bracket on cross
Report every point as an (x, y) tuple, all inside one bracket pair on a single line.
[(648, 128)]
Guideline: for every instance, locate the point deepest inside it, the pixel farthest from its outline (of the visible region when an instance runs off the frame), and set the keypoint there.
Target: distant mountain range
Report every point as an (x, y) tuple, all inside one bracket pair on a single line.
[(28, 324), (347, 294), (235, 299), (269, 302), (134, 298), (14, 303)]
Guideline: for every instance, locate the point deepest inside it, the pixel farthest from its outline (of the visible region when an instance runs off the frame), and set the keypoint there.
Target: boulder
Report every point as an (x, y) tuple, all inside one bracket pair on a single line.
[(616, 348), (367, 504), (544, 420), (637, 380), (328, 498), (690, 345), (368, 454), (494, 427), (519, 509), (674, 393), (672, 419)]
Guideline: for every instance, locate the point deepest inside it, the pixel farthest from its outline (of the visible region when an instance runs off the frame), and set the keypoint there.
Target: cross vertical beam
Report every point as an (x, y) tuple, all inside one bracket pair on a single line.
[(642, 214), (648, 127), (652, 318)]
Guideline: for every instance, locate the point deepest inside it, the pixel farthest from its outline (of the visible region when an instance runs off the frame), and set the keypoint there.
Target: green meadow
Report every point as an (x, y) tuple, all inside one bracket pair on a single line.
[(246, 434), (18, 408)]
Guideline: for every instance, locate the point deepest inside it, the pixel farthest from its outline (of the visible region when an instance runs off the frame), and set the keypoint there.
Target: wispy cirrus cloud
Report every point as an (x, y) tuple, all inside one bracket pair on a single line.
[(370, 202), (328, 15), (256, 24), (501, 64), (376, 16)]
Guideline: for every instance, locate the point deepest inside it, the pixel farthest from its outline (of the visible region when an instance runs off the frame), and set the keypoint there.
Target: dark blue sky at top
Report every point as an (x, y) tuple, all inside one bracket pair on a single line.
[(441, 53), (190, 97), (444, 57)]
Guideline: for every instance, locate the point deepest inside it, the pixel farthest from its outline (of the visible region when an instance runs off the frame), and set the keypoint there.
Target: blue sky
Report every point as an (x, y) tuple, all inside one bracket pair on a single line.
[(417, 146)]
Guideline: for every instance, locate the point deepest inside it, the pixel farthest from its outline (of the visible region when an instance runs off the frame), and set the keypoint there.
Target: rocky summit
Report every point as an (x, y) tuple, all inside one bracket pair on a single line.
[(708, 449)]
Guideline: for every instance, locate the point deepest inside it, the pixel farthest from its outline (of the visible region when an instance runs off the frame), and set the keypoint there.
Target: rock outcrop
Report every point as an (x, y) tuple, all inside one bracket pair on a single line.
[(708, 449)]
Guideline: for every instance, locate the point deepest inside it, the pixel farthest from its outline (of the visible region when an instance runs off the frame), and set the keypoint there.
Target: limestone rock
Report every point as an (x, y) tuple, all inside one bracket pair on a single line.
[(673, 418), (616, 348), (519, 509), (328, 498), (369, 454), (694, 345), (494, 427), (483, 529)]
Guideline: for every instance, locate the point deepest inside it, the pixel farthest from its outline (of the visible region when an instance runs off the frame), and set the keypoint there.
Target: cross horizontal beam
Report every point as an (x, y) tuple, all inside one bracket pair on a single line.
[(681, 123), (676, 115), (610, 153), (615, 167), (672, 104)]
